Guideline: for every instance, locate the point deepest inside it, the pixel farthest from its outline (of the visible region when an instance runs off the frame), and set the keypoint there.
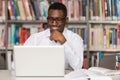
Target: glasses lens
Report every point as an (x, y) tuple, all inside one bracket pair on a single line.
[(55, 19)]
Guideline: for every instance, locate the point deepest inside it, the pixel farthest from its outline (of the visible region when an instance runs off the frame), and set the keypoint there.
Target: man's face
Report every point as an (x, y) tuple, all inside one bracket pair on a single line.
[(56, 20)]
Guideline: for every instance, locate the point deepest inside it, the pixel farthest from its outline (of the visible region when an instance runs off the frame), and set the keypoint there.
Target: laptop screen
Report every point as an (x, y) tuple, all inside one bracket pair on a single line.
[(39, 60)]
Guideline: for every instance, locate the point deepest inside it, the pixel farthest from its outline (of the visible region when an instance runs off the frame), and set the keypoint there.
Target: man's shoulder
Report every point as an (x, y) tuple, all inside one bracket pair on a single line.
[(71, 34), (42, 33)]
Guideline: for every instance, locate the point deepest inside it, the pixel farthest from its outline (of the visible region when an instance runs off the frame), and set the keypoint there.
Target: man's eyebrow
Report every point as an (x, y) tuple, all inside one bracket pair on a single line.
[(56, 17)]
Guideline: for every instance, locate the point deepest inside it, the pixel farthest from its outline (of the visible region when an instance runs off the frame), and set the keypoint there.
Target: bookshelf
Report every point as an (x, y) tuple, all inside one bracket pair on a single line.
[(104, 32), (93, 16), (15, 20)]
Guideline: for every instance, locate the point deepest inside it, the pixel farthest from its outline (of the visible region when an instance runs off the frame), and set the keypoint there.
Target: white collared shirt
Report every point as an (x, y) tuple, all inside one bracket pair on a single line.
[(73, 46)]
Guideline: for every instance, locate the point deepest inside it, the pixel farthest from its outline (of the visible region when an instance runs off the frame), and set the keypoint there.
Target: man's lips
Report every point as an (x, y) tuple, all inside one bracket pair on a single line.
[(54, 28)]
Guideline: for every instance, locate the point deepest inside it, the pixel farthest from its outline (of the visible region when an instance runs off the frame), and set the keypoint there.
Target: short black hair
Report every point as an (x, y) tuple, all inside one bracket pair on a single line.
[(58, 6)]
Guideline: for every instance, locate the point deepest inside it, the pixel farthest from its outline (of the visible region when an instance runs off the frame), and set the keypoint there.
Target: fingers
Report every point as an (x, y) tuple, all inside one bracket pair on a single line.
[(57, 36)]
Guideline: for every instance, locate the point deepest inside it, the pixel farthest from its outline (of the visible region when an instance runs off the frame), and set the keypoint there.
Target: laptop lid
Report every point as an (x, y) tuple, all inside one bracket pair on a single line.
[(39, 60)]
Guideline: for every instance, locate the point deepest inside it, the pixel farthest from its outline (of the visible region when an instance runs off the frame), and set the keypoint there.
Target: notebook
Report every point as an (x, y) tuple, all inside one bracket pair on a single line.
[(39, 61)]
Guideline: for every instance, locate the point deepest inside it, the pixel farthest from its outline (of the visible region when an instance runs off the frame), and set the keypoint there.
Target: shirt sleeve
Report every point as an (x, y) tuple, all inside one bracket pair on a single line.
[(74, 52)]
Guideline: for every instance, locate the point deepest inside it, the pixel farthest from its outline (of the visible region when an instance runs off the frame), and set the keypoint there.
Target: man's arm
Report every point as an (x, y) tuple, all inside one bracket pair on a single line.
[(74, 52), (73, 48)]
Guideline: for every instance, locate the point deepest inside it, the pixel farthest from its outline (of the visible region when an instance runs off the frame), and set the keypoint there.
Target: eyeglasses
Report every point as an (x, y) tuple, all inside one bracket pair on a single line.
[(58, 20)]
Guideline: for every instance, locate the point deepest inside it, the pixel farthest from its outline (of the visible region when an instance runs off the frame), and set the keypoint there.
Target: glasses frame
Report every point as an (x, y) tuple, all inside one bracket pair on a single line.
[(58, 20)]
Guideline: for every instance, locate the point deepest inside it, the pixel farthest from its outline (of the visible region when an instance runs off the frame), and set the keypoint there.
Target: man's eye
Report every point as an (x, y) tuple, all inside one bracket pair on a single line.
[(58, 19), (50, 19)]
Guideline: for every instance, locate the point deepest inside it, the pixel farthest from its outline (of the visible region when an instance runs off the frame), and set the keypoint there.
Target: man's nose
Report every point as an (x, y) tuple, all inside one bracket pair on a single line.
[(54, 22)]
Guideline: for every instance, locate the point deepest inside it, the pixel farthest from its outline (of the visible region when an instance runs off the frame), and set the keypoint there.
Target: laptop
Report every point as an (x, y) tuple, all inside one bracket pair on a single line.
[(35, 61)]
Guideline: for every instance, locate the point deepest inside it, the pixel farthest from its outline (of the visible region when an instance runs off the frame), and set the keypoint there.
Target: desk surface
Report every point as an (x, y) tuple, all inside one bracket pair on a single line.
[(6, 75), (10, 75)]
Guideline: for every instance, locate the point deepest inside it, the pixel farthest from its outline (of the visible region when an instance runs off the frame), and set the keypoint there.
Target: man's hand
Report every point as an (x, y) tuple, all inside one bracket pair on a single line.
[(57, 36)]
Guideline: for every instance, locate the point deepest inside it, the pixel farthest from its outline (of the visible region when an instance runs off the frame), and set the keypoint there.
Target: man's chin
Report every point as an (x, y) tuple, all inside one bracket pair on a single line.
[(55, 30)]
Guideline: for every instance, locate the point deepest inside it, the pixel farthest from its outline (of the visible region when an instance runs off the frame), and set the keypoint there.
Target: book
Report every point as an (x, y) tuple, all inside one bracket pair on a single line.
[(84, 8), (104, 71), (95, 9), (113, 9), (117, 62), (13, 9), (2, 35), (85, 62), (118, 9), (21, 9), (93, 73), (103, 6), (31, 10), (10, 10), (1, 9), (43, 5), (27, 9), (16, 9), (108, 9), (91, 9), (37, 9)]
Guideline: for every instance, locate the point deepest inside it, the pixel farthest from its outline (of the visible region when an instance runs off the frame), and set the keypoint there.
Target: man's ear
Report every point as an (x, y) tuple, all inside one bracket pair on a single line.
[(67, 19)]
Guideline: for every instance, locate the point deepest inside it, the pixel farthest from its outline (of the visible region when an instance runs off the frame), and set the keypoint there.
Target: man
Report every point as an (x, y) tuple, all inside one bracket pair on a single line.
[(57, 34)]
